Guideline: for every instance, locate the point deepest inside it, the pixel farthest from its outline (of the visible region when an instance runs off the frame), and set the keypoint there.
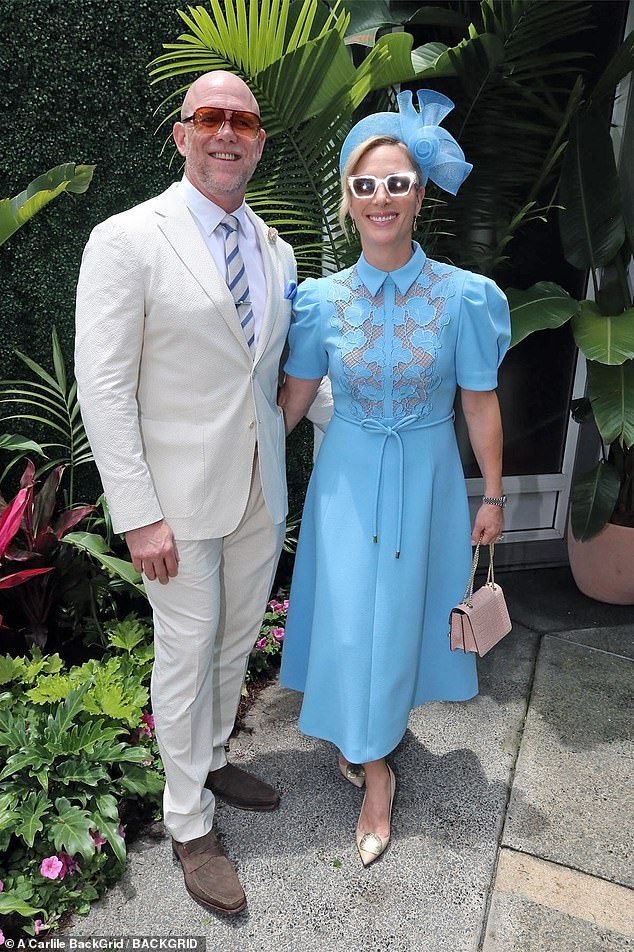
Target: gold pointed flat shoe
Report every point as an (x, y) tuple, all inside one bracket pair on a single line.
[(354, 773), (371, 845)]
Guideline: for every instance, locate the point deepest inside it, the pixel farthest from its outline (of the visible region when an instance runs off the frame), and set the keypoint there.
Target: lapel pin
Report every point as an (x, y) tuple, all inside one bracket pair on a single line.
[(272, 235)]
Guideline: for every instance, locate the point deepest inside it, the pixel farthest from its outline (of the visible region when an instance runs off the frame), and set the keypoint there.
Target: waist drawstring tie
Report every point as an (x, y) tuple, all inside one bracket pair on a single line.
[(392, 431)]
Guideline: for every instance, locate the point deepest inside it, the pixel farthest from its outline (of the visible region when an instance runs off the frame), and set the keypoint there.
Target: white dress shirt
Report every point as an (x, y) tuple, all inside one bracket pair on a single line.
[(208, 216)]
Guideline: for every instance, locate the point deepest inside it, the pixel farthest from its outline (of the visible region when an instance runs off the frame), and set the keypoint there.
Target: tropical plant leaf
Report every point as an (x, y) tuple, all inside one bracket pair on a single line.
[(110, 829), (76, 771), (141, 781), (619, 66), (49, 401), (9, 669), (16, 211), (611, 392), (31, 811), (307, 88), (12, 731), (61, 721), (604, 338), (12, 903), (506, 72), (591, 220), (50, 689), (70, 829), (127, 634), (97, 546), (108, 807), (543, 306), (8, 813), (20, 444), (593, 499)]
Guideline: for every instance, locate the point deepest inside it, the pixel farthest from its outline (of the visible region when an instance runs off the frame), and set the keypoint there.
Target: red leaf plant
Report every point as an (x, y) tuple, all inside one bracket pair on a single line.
[(29, 534)]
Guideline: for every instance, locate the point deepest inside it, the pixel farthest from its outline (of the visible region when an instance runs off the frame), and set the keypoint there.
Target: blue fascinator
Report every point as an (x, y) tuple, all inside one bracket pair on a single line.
[(434, 150)]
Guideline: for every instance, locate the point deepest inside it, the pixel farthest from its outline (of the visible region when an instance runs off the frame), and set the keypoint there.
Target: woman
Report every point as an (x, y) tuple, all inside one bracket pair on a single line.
[(384, 549)]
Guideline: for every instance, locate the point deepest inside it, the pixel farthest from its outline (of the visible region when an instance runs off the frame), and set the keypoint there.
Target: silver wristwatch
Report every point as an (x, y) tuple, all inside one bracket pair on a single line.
[(499, 501)]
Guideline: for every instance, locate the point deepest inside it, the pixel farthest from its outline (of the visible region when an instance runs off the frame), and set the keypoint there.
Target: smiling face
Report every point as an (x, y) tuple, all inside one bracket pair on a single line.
[(220, 165), (384, 222)]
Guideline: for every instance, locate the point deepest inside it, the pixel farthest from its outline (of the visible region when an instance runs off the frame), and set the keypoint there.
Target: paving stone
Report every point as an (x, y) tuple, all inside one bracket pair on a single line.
[(548, 600), (539, 906), (572, 791), (617, 639)]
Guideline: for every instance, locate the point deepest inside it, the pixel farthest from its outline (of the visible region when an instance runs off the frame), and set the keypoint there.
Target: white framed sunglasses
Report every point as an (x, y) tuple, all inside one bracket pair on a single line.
[(397, 184)]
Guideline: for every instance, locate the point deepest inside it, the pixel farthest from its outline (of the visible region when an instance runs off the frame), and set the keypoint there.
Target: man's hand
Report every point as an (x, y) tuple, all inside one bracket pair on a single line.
[(154, 551)]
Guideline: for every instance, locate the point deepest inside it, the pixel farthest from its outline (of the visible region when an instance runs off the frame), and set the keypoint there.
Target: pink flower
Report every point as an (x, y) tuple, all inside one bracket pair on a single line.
[(51, 867), (1, 885), (278, 633), (262, 643), (99, 839), (146, 763), (1, 937), (38, 925), (148, 723), (285, 604), (275, 606), (121, 830), (68, 864)]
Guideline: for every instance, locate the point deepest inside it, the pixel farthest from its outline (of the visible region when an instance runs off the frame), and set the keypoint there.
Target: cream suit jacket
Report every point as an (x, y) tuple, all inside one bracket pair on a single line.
[(172, 400)]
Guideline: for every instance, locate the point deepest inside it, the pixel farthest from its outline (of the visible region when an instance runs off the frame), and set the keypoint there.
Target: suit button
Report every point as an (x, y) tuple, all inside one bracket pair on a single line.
[(251, 424)]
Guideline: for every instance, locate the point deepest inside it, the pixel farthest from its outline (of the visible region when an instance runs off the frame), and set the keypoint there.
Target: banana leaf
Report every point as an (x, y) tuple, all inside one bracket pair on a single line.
[(591, 220), (611, 392), (593, 499), (543, 306), (608, 339), (15, 212)]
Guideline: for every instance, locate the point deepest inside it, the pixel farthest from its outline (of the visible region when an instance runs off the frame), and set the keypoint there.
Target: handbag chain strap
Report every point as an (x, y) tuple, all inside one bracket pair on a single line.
[(468, 595)]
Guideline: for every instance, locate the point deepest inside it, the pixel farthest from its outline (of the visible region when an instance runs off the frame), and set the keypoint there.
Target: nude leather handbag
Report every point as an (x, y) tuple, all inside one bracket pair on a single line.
[(482, 618)]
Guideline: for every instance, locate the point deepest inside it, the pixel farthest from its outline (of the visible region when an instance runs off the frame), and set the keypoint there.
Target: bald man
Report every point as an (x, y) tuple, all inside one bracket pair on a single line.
[(183, 307)]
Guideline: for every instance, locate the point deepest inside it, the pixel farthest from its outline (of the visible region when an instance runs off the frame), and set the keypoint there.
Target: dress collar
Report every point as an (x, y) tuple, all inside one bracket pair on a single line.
[(207, 212), (403, 278)]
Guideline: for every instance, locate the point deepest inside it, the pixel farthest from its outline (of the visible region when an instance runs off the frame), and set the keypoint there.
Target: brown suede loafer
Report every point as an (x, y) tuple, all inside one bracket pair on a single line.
[(242, 789), (210, 879)]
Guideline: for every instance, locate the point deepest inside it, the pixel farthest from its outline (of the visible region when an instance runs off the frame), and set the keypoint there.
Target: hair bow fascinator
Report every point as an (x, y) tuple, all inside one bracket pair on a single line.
[(434, 150)]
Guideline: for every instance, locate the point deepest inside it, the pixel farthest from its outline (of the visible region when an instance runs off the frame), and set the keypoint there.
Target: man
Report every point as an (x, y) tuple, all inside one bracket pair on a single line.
[(182, 314)]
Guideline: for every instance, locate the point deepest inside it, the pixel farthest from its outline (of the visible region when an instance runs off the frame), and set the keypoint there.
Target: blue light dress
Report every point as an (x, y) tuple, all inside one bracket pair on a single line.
[(384, 551)]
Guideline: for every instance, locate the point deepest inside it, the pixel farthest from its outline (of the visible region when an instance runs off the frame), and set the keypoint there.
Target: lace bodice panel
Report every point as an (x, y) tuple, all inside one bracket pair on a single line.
[(387, 344)]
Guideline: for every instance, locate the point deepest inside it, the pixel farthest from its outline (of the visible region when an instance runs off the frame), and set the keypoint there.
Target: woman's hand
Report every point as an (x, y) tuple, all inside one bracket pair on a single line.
[(488, 524)]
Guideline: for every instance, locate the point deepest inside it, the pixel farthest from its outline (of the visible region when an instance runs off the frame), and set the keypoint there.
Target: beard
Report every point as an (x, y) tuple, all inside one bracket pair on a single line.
[(230, 182)]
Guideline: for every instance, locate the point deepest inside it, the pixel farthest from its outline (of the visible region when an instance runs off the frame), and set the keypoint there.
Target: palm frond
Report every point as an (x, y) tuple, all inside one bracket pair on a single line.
[(308, 89), (516, 93), (49, 402)]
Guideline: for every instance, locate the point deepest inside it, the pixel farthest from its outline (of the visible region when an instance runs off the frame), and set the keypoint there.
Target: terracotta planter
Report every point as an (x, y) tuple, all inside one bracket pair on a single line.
[(603, 567)]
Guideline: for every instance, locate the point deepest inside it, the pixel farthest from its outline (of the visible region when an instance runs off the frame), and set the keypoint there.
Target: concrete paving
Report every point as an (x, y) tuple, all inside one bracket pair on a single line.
[(510, 822)]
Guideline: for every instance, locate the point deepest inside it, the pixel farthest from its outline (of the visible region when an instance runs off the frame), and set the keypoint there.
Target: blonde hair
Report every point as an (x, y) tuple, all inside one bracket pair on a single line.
[(353, 160)]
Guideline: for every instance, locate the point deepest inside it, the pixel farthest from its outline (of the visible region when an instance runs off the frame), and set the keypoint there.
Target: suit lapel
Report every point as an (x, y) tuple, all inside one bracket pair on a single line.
[(181, 231)]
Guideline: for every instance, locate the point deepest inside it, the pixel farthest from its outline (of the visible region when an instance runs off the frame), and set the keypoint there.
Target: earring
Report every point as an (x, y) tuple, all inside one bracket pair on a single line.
[(354, 227), (415, 222)]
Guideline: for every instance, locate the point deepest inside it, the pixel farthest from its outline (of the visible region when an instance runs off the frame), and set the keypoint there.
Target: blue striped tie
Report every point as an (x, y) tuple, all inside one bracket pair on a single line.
[(237, 281)]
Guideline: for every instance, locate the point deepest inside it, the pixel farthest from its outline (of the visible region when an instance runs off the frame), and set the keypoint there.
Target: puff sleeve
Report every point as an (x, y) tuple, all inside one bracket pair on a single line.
[(484, 333), (308, 358)]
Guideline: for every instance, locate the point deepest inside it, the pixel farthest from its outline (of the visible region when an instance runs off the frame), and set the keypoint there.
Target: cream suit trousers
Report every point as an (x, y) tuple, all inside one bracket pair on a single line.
[(206, 621)]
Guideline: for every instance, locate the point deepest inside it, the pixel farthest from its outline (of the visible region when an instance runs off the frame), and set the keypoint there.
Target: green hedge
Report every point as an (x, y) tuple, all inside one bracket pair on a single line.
[(75, 88)]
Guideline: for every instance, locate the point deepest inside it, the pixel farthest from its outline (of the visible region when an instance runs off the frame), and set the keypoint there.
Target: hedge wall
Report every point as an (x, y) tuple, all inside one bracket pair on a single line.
[(75, 88)]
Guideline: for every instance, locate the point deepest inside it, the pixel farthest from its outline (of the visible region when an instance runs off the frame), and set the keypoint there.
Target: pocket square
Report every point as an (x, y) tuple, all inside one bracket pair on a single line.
[(290, 290)]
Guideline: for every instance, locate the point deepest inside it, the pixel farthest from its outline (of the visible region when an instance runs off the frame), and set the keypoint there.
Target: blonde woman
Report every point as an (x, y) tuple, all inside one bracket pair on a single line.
[(384, 551)]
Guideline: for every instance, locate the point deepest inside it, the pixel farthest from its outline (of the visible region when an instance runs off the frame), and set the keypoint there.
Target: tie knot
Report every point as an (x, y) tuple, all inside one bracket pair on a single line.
[(229, 223)]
